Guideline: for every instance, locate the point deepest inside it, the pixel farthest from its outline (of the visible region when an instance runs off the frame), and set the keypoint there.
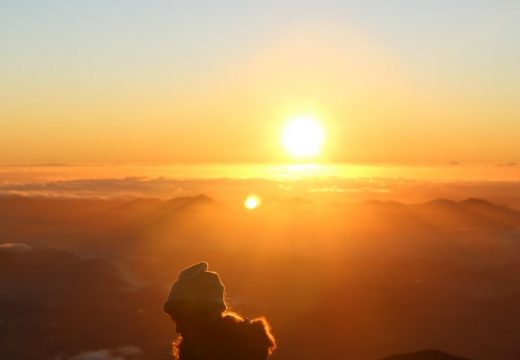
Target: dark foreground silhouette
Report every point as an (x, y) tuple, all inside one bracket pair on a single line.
[(83, 276), (208, 331), (425, 355)]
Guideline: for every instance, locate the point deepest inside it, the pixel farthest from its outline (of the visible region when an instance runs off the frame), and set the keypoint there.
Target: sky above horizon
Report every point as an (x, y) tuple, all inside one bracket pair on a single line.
[(161, 82)]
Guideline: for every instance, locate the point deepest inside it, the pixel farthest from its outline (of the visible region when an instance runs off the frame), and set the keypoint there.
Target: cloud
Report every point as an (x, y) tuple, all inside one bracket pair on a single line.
[(14, 247), (129, 187), (334, 189), (508, 164), (233, 190), (120, 353)]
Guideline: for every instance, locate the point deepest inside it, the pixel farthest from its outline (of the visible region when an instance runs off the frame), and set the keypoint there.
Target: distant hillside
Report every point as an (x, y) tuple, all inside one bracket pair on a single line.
[(363, 280), (425, 355)]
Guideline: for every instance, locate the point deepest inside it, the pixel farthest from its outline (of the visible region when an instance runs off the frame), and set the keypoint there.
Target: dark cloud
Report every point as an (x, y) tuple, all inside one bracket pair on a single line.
[(37, 165), (508, 164)]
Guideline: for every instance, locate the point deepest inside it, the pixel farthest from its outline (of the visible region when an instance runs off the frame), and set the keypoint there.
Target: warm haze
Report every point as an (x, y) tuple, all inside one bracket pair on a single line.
[(167, 81), (350, 169)]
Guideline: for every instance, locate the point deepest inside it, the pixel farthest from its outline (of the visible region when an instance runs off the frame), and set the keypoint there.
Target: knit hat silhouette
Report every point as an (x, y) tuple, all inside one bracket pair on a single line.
[(196, 284)]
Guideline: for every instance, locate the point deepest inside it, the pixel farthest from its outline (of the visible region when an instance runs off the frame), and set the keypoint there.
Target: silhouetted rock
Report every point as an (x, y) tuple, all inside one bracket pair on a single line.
[(425, 355)]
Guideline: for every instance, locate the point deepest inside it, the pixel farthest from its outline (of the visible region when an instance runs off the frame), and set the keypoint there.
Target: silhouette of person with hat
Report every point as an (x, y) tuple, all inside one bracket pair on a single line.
[(208, 331)]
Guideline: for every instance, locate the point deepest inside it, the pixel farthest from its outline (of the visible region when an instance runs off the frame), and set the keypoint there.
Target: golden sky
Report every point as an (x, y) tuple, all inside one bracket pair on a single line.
[(170, 82)]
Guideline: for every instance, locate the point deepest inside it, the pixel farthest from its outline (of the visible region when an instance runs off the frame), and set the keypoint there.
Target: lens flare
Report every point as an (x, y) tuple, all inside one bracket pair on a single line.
[(252, 202)]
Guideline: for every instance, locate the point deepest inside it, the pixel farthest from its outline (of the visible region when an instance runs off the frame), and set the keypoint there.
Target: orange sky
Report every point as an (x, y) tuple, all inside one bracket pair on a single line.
[(221, 89)]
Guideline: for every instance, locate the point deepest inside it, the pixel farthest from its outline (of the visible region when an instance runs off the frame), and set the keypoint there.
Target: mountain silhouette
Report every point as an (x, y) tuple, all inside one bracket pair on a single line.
[(425, 355), (91, 274)]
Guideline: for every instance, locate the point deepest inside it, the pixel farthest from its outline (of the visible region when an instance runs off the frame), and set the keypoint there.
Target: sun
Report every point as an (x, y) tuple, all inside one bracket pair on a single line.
[(252, 202), (303, 137)]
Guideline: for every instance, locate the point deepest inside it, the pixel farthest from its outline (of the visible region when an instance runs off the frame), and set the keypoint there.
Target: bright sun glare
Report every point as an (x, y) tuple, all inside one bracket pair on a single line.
[(252, 202), (303, 137)]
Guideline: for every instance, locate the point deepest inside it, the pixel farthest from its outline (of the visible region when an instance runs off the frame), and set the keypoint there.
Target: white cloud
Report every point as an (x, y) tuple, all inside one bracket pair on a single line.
[(14, 247), (129, 187), (120, 353)]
